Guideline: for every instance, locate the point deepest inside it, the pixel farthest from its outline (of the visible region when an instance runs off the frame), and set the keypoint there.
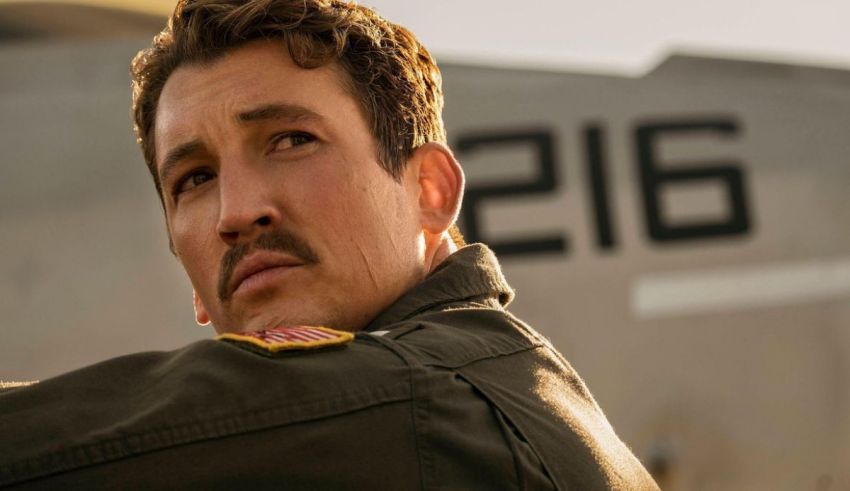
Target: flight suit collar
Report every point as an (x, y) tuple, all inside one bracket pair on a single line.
[(471, 272)]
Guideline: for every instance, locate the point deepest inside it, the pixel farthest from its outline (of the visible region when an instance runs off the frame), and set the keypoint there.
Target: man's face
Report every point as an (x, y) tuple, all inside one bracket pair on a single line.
[(275, 200)]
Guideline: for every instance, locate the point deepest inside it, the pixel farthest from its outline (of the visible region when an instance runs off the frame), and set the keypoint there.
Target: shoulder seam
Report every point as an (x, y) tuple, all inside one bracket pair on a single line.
[(412, 365)]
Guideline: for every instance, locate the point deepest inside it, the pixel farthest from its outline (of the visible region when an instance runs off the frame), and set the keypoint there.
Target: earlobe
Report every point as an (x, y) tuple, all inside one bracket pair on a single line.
[(201, 315), (441, 187)]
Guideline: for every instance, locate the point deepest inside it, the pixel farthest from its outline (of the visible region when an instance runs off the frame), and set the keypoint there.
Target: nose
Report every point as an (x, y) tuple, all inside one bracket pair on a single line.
[(247, 208)]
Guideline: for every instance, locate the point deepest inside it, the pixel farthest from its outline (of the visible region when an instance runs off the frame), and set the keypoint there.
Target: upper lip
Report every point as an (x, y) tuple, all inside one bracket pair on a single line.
[(256, 262)]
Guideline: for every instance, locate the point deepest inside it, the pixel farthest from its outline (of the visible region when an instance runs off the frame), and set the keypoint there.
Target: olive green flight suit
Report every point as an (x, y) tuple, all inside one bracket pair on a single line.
[(443, 390)]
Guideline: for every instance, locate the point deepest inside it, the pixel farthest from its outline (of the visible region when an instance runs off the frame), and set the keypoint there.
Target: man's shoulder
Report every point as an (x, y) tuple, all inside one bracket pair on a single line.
[(209, 389), (458, 334), (220, 362), (207, 370)]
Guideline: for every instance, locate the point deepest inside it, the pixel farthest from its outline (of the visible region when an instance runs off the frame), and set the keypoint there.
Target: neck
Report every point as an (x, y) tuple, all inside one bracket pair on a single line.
[(436, 252)]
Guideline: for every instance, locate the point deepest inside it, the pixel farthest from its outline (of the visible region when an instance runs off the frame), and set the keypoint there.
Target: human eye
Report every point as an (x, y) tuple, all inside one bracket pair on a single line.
[(286, 141), (191, 180)]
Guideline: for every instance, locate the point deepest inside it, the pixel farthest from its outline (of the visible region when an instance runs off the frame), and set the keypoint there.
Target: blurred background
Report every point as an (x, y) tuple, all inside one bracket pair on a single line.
[(665, 182)]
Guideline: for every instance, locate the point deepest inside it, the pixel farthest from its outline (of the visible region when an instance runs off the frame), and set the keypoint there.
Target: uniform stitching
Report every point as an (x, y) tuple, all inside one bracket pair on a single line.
[(493, 400), (411, 363), (503, 426)]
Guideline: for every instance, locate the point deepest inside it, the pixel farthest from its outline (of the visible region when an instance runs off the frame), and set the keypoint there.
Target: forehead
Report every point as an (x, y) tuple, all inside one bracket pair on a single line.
[(259, 73)]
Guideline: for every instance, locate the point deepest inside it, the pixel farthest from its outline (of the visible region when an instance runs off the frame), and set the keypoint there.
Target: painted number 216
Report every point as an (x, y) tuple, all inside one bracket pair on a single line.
[(653, 178)]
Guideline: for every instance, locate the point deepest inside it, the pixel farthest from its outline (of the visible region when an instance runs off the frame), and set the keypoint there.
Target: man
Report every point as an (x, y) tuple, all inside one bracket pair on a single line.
[(298, 150)]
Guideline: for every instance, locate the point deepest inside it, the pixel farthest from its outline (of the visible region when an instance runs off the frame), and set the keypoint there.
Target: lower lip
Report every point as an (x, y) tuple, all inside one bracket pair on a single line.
[(262, 280)]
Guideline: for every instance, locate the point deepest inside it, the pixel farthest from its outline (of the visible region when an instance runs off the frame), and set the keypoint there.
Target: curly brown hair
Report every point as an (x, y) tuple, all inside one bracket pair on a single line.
[(390, 72)]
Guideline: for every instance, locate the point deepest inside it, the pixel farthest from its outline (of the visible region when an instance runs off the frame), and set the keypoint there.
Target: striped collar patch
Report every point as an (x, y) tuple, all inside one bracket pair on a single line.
[(290, 338)]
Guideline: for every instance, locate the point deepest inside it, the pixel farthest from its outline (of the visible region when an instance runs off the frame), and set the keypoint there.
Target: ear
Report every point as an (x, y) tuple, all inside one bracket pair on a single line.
[(440, 180), (201, 315)]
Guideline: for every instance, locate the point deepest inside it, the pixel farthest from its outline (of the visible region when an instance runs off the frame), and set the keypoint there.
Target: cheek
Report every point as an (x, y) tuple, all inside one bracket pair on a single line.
[(333, 201), (194, 238), (353, 210)]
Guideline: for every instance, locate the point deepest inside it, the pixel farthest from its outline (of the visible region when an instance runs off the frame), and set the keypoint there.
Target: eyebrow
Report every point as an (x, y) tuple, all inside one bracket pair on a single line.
[(265, 112), (291, 112), (176, 155)]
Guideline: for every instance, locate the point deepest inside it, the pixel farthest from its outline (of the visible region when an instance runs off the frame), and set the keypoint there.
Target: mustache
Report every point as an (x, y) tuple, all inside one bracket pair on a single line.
[(274, 240)]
